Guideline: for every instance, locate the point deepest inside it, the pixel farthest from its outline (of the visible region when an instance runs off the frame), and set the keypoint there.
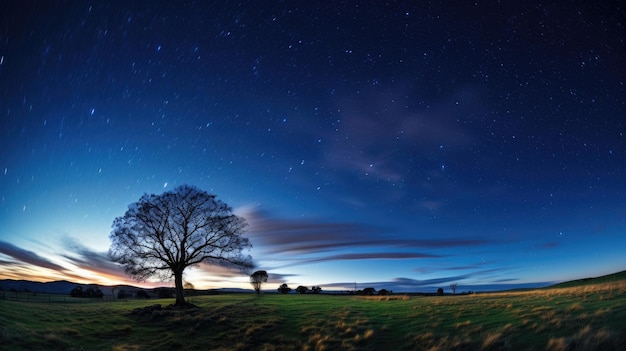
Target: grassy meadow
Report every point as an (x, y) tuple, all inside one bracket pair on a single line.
[(583, 317)]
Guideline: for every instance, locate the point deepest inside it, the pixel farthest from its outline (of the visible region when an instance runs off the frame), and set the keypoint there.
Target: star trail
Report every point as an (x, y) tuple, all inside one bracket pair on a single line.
[(400, 145)]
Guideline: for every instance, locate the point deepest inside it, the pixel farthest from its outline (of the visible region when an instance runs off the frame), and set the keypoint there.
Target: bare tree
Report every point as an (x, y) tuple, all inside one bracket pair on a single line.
[(161, 235), (257, 279), (453, 288)]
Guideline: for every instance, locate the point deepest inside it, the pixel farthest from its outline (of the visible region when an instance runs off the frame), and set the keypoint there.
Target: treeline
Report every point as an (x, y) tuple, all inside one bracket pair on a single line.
[(285, 289), (95, 292), (372, 292), (90, 292)]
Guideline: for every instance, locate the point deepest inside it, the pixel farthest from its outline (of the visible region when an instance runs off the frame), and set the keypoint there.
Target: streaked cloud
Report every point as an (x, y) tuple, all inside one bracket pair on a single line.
[(28, 257), (298, 237), (94, 261)]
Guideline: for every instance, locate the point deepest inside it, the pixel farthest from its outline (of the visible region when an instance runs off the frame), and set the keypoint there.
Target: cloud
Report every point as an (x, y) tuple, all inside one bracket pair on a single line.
[(279, 278), (416, 285), (378, 135), (401, 284), (424, 270), (306, 241), (372, 256), (94, 261), (305, 237), (28, 257)]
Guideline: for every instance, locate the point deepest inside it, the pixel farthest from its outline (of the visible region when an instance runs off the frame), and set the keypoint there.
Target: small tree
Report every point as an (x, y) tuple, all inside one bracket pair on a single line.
[(302, 289), (316, 289), (257, 279), (189, 289), (77, 291), (369, 291), (284, 288), (161, 235), (440, 291), (122, 294), (453, 288)]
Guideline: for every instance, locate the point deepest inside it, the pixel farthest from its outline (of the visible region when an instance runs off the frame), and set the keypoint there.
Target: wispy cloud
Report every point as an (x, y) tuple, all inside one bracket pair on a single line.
[(28, 257), (372, 256), (306, 241), (94, 261), (416, 285)]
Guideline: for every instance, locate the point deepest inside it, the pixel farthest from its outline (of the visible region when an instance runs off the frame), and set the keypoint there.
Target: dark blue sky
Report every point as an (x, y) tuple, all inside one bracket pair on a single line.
[(401, 145)]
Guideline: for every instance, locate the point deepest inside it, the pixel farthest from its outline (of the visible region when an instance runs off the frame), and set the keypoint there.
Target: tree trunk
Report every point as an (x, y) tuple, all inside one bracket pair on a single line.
[(180, 292)]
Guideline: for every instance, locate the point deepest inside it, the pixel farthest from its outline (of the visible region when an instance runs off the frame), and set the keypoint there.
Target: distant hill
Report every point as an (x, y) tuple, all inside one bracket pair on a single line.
[(57, 287), (619, 276), (65, 287)]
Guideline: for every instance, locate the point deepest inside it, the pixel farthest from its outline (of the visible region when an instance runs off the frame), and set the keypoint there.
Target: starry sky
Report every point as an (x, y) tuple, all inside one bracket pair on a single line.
[(402, 145)]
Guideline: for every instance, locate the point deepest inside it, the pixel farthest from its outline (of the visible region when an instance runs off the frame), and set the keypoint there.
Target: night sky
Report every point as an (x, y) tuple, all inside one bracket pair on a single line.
[(404, 146)]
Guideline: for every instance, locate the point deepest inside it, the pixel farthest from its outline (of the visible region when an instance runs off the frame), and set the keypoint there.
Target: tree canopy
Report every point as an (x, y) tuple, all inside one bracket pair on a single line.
[(257, 279), (161, 235), (284, 288)]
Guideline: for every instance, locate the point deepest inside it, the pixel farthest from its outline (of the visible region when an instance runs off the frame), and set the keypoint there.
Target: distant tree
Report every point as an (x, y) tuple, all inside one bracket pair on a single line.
[(90, 292), (284, 289), (189, 289), (369, 291), (302, 289), (161, 235), (453, 288), (316, 289), (383, 292), (77, 291), (164, 293), (440, 291), (122, 294), (257, 279), (142, 294)]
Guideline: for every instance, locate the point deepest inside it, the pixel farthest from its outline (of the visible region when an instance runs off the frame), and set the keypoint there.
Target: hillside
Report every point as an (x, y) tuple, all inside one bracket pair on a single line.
[(610, 278)]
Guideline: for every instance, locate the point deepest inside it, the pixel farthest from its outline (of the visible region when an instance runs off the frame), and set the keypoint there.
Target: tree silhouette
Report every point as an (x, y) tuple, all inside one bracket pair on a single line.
[(302, 289), (161, 235), (257, 279), (316, 289), (284, 288), (453, 288), (77, 291), (369, 291)]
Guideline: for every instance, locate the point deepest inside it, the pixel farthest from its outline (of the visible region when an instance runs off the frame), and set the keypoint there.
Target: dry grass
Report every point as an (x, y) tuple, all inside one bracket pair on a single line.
[(386, 298)]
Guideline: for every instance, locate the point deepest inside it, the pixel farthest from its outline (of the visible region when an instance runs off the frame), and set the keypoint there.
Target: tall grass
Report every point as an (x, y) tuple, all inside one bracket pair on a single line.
[(571, 318)]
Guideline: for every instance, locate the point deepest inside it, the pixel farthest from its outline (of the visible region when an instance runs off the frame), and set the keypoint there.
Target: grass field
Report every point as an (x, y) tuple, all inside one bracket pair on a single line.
[(582, 317)]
